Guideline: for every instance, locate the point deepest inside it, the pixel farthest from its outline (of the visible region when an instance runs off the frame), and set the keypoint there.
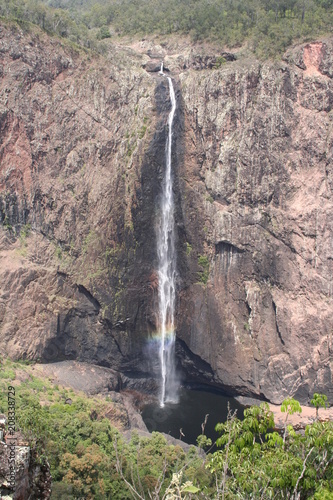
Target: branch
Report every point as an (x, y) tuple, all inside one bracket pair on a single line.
[(302, 474), (285, 429), (137, 470), (327, 464), (230, 418), (161, 479), (203, 425), (120, 471)]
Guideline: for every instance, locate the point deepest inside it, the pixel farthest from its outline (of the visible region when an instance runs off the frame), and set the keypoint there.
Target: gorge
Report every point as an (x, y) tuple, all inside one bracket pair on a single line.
[(82, 153)]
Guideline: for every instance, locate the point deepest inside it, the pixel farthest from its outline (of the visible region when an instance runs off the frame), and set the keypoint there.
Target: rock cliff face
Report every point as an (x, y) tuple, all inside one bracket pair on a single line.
[(81, 160), (258, 172), (79, 177), (32, 480)]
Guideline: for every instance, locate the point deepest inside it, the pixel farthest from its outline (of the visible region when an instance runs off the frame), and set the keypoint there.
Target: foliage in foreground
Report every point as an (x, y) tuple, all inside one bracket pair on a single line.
[(257, 462), (87, 455), (270, 26), (90, 458)]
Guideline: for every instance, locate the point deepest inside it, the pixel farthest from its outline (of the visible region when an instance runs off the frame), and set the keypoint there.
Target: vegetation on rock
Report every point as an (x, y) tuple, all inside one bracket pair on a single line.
[(203, 263)]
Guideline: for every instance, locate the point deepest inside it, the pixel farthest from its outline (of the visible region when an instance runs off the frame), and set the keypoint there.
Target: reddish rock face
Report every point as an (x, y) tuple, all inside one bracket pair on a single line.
[(82, 141), (77, 197), (258, 199)]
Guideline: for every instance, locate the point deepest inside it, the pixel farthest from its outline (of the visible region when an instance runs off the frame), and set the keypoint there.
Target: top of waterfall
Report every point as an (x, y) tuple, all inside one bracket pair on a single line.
[(161, 70)]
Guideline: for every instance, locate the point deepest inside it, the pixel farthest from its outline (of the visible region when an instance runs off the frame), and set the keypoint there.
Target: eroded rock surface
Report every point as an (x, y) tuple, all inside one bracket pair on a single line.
[(80, 174), (32, 480), (81, 160), (257, 184), (93, 379)]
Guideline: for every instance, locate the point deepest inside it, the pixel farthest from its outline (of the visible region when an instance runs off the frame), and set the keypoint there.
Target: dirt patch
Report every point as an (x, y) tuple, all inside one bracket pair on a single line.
[(312, 57), (308, 416)]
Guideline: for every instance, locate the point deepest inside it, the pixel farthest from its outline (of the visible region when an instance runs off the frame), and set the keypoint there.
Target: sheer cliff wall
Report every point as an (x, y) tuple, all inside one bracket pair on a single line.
[(82, 142)]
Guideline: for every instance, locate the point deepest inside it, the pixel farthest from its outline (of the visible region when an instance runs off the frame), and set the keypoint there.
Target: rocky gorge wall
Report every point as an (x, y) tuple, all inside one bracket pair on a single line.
[(258, 174), (80, 144), (81, 160)]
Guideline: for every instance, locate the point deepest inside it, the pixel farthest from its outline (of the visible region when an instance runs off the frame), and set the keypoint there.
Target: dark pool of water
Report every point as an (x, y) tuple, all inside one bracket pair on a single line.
[(189, 413)]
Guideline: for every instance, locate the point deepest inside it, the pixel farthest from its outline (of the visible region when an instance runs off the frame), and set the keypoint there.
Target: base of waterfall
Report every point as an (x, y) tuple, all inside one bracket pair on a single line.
[(167, 372), (169, 401), (183, 419)]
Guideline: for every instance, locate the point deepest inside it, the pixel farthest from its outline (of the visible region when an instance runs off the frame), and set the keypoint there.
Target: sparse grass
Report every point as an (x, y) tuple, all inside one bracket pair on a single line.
[(210, 198), (219, 62), (203, 275), (142, 131), (89, 240), (58, 253), (7, 374), (6, 224), (188, 249), (130, 149)]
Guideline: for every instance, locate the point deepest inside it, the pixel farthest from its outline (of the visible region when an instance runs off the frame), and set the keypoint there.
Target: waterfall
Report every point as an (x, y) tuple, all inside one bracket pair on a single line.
[(167, 271)]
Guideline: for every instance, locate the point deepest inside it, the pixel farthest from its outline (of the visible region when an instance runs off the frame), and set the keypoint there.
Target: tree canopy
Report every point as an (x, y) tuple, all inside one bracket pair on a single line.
[(90, 458), (267, 26)]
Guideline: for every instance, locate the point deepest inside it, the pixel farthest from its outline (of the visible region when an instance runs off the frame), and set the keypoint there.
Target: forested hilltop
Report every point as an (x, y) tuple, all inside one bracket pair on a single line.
[(269, 26)]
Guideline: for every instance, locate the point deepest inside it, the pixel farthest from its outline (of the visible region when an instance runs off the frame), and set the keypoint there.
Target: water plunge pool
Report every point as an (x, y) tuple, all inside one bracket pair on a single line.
[(189, 413)]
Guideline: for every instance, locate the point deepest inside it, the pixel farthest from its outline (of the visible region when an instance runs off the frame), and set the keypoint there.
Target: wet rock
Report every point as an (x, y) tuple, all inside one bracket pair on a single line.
[(152, 66)]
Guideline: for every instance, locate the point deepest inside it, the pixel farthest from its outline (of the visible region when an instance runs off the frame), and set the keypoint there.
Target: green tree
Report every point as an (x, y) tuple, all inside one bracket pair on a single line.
[(319, 401), (104, 32)]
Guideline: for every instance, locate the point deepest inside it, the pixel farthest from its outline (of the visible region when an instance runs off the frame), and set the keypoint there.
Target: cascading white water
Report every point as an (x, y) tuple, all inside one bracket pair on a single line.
[(167, 271)]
